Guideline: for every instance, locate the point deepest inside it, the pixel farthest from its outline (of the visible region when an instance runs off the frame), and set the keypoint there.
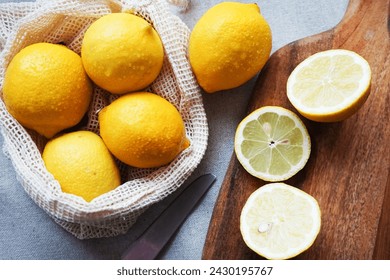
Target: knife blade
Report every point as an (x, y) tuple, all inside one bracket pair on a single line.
[(155, 237)]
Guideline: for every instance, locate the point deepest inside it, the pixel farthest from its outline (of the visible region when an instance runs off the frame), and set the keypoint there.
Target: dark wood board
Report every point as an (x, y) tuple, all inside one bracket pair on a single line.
[(348, 170)]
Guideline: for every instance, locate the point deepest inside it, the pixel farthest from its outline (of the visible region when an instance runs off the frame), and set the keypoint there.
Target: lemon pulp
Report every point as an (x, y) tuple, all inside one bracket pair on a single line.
[(330, 85), (279, 221), (272, 143)]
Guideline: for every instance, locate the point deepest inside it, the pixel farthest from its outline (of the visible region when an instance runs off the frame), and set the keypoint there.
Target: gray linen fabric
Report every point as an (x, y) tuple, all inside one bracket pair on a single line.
[(26, 232)]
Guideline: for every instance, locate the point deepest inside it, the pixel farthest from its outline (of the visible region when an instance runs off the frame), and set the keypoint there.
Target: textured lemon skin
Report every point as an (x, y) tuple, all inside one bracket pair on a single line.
[(229, 45), (46, 88), (82, 164), (122, 53), (143, 130)]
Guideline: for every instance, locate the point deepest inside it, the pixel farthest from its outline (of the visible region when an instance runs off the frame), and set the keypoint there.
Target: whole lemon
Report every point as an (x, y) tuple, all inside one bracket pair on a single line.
[(46, 88), (82, 164), (143, 130), (122, 52), (229, 45)]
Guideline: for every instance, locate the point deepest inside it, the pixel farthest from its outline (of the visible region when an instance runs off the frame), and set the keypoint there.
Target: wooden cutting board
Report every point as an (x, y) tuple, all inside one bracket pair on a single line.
[(348, 170)]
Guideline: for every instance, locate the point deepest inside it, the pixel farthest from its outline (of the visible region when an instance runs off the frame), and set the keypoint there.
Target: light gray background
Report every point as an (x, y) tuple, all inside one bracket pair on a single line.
[(26, 232)]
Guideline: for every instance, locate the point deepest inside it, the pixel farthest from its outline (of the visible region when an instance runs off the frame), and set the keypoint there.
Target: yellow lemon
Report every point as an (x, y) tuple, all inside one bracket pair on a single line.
[(279, 221), (46, 88), (272, 143), (229, 45), (122, 52), (143, 130), (82, 164), (330, 86)]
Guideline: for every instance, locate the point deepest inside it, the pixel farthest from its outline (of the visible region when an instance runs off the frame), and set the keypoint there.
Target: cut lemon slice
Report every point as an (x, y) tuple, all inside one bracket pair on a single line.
[(279, 221), (329, 86), (272, 143)]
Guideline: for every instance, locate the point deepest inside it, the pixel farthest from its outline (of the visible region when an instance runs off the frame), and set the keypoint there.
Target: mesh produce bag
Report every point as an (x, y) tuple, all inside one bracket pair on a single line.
[(65, 21)]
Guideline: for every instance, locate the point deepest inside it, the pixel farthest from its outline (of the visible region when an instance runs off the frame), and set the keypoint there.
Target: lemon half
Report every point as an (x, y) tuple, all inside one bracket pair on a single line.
[(279, 221), (272, 143), (330, 86)]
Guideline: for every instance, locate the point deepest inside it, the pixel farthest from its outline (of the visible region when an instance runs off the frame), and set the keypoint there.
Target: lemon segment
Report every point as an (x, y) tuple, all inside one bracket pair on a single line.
[(229, 45), (329, 86), (279, 221), (272, 143), (82, 164)]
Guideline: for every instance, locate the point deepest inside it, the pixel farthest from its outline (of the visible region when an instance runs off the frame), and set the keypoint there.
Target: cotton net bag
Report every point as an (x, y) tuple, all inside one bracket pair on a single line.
[(65, 21)]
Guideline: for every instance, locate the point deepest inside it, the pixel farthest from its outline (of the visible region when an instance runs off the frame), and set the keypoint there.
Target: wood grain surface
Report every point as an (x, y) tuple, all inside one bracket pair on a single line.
[(348, 170)]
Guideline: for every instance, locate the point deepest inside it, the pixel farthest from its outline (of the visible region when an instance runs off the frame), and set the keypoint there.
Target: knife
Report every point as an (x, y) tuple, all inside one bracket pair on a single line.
[(154, 238)]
